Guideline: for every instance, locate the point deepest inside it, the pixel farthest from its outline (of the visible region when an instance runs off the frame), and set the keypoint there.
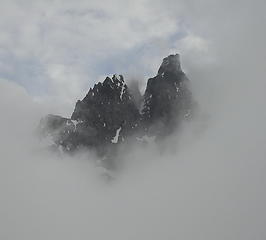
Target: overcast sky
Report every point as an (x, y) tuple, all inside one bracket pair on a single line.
[(212, 187), (61, 48)]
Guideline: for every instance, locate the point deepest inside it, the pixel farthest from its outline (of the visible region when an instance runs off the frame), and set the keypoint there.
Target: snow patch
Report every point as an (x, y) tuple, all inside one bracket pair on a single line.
[(115, 139), (188, 114), (176, 87)]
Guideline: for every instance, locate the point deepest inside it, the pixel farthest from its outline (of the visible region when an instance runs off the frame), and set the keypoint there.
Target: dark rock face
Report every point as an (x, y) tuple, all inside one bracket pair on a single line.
[(109, 114), (167, 98), (109, 109), (65, 132)]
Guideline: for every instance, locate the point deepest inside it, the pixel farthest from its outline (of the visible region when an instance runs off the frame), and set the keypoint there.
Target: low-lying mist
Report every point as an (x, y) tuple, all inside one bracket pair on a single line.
[(207, 181)]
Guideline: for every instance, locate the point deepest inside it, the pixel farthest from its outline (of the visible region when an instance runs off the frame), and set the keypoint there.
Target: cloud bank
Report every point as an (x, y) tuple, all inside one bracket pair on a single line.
[(211, 187)]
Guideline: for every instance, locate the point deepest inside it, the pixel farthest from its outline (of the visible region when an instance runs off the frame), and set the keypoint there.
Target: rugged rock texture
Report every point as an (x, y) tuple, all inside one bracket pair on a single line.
[(109, 109), (167, 99), (109, 114)]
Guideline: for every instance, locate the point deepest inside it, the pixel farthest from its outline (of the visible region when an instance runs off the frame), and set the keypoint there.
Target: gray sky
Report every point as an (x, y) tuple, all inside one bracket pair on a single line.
[(211, 187), (58, 49)]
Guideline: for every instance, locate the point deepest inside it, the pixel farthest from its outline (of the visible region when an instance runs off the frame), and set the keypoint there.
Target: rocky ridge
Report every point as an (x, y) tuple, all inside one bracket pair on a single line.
[(108, 115)]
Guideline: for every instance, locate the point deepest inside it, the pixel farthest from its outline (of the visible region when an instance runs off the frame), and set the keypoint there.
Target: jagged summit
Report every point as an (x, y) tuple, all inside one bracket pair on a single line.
[(107, 93), (109, 114), (167, 99), (170, 65)]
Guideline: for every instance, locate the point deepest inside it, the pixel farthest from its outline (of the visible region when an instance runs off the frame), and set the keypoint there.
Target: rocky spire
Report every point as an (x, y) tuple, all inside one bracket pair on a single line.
[(107, 108), (109, 114), (170, 64), (167, 98)]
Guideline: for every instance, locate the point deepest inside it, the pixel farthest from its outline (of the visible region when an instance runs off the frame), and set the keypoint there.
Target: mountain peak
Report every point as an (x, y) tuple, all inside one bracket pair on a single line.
[(170, 64), (109, 114)]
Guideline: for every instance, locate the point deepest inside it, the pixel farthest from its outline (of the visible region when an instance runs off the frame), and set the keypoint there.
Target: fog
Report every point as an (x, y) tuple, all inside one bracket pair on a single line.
[(207, 181)]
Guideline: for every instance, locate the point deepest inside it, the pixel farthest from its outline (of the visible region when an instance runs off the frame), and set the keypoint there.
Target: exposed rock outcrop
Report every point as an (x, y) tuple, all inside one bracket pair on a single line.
[(167, 98), (109, 114)]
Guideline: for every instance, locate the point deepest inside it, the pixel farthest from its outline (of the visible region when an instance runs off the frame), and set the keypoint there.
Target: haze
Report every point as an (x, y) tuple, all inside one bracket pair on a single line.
[(206, 182)]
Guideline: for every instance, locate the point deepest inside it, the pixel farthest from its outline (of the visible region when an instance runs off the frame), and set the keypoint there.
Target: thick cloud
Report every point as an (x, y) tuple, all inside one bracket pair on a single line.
[(211, 187), (59, 48)]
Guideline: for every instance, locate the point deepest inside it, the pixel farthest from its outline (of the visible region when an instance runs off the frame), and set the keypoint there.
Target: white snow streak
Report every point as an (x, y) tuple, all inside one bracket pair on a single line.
[(115, 139)]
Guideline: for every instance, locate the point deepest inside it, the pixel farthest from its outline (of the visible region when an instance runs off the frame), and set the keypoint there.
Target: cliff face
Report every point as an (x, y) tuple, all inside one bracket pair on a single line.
[(109, 114), (167, 98), (108, 108)]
